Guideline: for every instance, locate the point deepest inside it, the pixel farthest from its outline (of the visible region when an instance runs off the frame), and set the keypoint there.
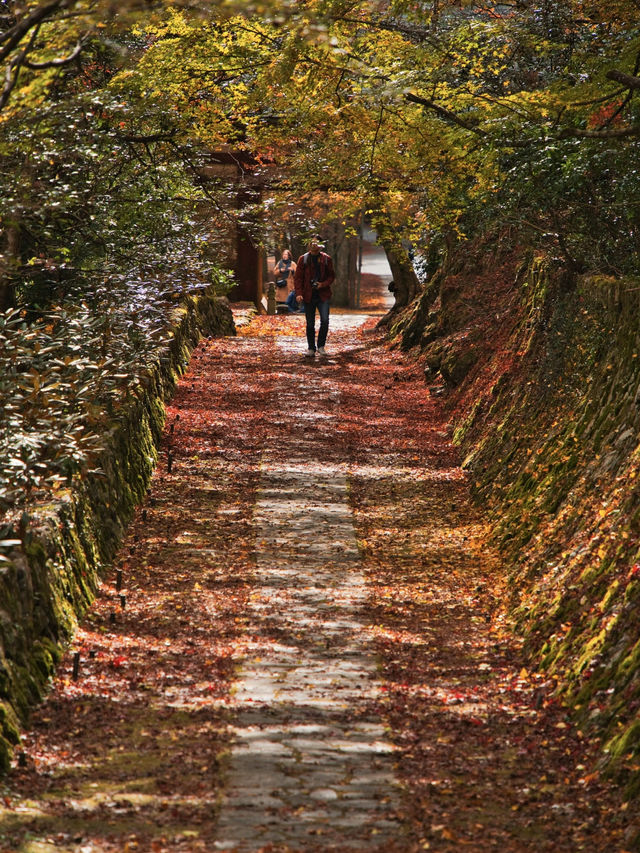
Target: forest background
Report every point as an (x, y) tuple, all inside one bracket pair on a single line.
[(449, 126)]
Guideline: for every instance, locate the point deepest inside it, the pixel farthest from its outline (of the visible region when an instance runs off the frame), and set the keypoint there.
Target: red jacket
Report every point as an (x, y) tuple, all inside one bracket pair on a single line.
[(305, 270)]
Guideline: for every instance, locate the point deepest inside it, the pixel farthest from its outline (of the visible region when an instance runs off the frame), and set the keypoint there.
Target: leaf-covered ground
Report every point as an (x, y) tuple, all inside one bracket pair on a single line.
[(130, 753), (487, 757)]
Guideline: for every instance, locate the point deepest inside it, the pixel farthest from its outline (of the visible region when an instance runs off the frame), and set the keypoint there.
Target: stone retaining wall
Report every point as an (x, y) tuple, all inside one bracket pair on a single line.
[(67, 544)]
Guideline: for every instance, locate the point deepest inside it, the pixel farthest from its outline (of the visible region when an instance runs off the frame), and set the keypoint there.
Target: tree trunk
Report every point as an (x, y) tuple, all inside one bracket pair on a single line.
[(341, 244), (404, 276)]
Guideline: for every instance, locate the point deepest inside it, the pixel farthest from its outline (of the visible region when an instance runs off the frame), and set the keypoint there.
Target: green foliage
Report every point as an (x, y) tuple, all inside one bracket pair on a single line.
[(105, 222), (63, 378), (447, 118), (91, 195)]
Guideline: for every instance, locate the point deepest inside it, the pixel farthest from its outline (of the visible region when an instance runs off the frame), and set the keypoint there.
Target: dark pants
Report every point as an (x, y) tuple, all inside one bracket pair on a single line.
[(310, 312)]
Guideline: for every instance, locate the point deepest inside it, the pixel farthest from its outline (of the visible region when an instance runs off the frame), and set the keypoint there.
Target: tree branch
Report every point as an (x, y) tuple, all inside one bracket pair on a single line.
[(146, 139), (593, 101), (445, 114), (12, 71), (58, 63), (375, 140), (628, 80), (15, 34), (614, 133), (419, 34)]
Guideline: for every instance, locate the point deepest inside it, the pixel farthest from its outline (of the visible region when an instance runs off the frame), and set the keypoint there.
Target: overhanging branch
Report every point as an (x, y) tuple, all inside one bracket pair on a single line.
[(13, 36), (12, 71), (58, 63), (148, 138), (445, 114), (612, 133), (628, 80)]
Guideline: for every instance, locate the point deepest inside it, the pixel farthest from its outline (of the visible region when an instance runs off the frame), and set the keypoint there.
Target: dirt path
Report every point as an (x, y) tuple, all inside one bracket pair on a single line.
[(314, 516)]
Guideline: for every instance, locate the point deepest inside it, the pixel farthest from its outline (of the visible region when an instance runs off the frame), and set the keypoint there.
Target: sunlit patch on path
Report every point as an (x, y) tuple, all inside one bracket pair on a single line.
[(311, 767)]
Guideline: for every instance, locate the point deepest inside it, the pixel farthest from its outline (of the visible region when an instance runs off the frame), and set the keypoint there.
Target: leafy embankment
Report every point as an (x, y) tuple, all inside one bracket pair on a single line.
[(55, 546), (127, 754), (542, 386)]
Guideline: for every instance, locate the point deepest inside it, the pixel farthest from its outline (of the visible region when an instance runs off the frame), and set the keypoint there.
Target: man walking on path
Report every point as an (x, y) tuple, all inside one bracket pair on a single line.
[(313, 279)]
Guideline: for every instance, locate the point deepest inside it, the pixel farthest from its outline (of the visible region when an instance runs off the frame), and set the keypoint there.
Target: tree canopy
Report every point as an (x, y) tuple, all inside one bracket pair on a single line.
[(439, 119)]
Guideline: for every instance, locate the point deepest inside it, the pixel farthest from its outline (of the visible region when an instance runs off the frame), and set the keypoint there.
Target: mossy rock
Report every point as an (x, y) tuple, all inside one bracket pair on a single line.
[(626, 744), (547, 421), (457, 362), (429, 335)]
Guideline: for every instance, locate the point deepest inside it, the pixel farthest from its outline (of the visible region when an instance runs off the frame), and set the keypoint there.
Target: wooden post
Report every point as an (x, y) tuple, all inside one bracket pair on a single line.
[(271, 299)]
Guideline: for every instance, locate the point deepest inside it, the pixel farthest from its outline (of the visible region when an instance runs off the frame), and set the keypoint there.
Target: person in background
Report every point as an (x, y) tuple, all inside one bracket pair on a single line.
[(283, 272), (292, 304), (312, 280)]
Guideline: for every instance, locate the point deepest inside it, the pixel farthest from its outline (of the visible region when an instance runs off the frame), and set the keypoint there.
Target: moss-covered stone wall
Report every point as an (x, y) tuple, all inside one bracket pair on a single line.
[(66, 545), (547, 416)]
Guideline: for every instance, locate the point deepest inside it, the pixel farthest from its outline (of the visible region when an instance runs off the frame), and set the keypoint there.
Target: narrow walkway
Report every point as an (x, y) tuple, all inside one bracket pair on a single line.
[(376, 275), (310, 764)]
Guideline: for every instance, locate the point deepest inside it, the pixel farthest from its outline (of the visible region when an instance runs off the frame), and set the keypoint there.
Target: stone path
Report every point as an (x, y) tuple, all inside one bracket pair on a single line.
[(310, 767)]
